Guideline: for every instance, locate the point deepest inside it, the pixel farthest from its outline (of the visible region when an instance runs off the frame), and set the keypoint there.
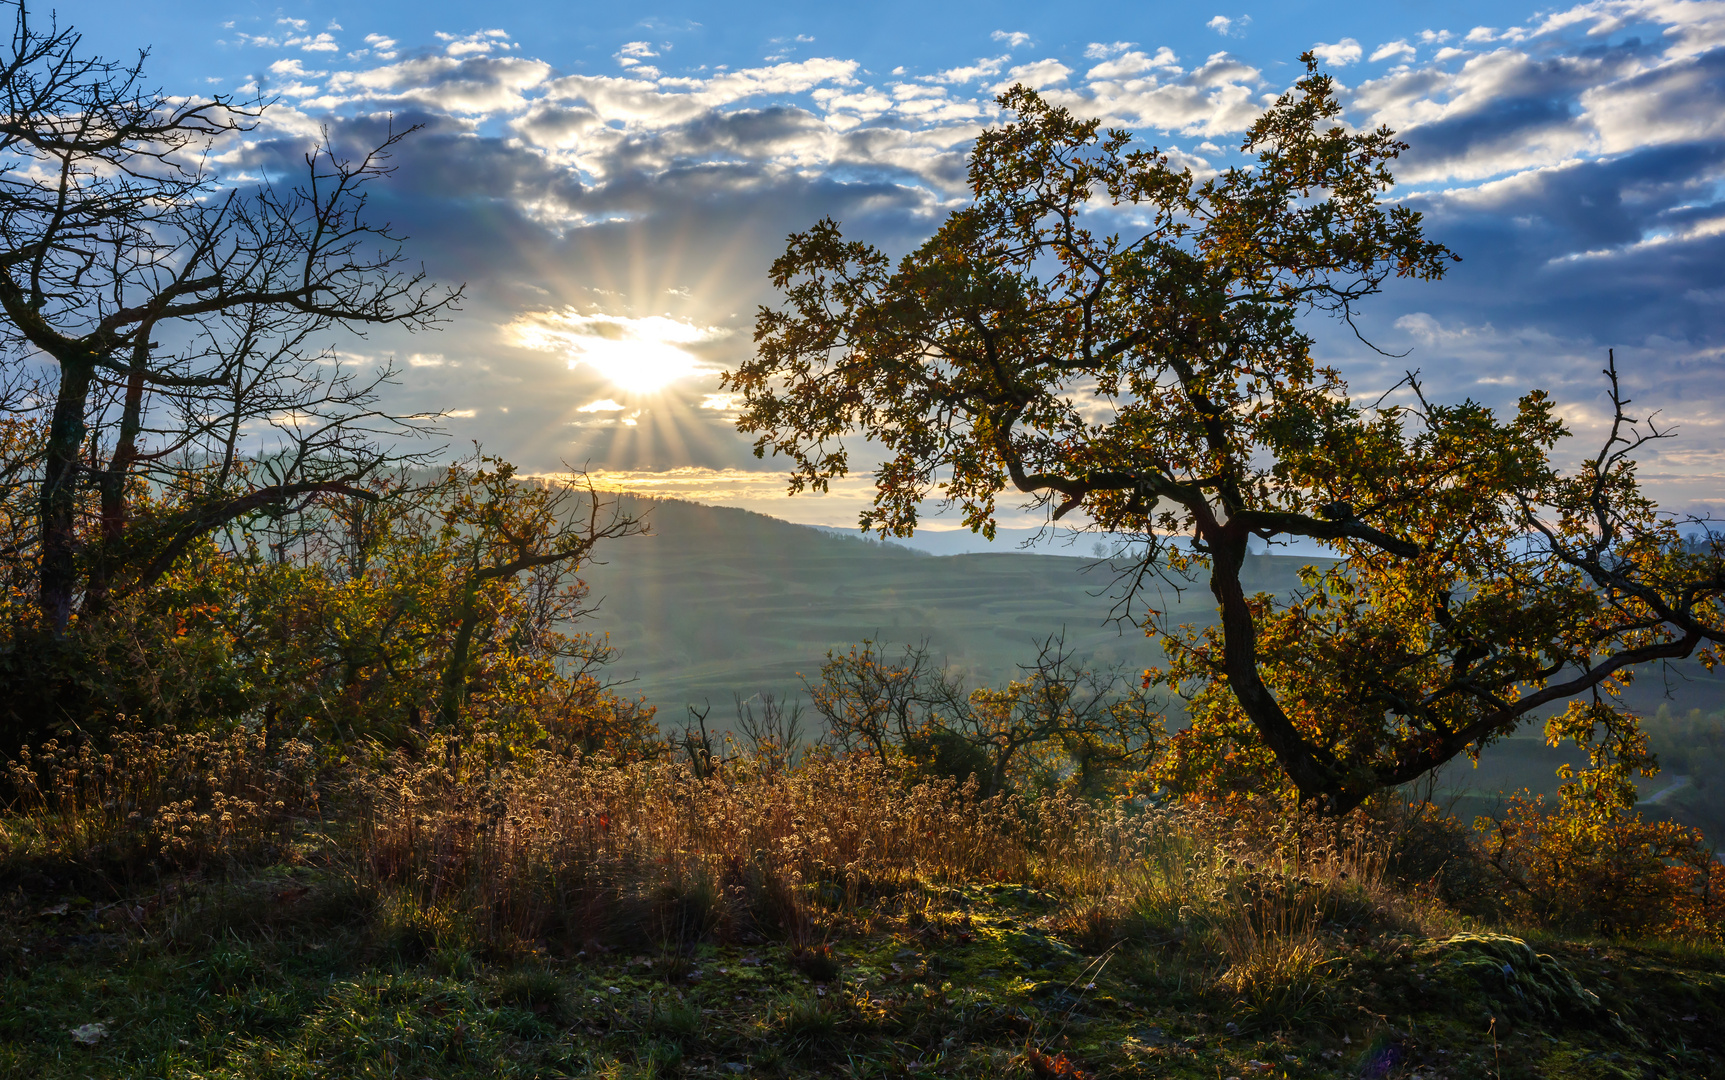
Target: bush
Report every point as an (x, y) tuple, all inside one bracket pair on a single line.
[(1603, 869)]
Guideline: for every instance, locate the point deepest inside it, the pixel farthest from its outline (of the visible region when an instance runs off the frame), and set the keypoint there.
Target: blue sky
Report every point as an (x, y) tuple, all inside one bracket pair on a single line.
[(611, 182)]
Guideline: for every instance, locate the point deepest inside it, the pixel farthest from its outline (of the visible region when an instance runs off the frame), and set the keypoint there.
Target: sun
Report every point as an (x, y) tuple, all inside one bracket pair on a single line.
[(636, 355)]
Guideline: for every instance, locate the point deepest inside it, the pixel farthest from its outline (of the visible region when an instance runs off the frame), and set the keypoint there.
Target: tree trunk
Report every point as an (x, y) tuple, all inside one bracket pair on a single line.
[(1314, 777), (112, 485), (58, 576)]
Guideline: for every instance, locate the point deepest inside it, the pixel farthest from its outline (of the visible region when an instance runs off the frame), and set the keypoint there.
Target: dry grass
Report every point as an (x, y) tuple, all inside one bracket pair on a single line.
[(156, 798), (563, 854)]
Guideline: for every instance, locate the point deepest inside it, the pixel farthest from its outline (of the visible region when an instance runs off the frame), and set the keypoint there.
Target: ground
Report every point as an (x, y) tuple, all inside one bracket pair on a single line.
[(287, 974)]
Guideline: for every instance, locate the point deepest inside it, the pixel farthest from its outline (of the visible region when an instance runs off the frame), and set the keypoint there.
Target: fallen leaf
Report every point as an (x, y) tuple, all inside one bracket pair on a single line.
[(57, 909), (1059, 1066), (89, 1034)]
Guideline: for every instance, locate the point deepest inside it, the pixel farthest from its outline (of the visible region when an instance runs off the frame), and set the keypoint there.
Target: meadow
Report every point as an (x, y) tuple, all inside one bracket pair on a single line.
[(745, 918)]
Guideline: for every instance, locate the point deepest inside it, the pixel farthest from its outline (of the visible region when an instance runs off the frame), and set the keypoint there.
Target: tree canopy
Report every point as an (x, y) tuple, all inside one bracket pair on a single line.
[(1162, 383)]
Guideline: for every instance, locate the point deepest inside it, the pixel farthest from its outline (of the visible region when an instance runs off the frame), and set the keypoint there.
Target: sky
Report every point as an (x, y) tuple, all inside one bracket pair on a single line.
[(611, 182)]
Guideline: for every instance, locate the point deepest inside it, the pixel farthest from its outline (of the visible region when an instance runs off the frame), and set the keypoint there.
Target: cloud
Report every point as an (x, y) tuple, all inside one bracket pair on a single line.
[(1392, 50), (1135, 63), (313, 43), (1014, 39), (1218, 97), (1577, 163), (1097, 50), (1039, 75), (982, 69), (381, 47), (471, 85), (478, 43), (1227, 27), (1341, 54)]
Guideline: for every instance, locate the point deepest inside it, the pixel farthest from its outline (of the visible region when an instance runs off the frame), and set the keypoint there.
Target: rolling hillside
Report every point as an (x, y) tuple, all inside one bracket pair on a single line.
[(721, 602)]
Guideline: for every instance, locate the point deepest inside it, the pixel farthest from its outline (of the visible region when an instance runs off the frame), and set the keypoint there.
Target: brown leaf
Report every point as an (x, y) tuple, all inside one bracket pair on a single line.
[(1057, 1066)]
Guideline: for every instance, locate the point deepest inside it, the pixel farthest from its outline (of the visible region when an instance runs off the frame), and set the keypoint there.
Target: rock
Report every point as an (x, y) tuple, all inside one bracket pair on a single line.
[(1516, 979)]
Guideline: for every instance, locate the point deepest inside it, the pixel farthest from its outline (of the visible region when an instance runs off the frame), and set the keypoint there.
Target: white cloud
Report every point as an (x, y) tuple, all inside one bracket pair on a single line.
[(381, 47), (1341, 54), (1014, 39), (478, 43), (292, 69), (474, 85), (312, 43), (1217, 98), (1098, 50), (637, 49), (292, 24), (603, 405), (1134, 63), (788, 78), (982, 69), (1039, 75), (1393, 49), (1227, 27)]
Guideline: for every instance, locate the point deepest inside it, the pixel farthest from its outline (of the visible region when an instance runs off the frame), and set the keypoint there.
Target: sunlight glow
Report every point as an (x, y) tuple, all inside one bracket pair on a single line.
[(636, 355)]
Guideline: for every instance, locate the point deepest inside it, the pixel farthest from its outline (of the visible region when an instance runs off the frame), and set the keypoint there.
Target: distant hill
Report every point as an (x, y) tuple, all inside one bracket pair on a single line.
[(720, 602)]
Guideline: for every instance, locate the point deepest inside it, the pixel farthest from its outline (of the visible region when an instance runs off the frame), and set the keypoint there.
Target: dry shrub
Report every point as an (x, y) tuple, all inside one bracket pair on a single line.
[(1606, 870), (156, 796), (1262, 891), (585, 849)]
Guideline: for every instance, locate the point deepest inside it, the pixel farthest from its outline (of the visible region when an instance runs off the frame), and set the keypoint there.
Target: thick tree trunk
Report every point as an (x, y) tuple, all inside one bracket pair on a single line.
[(61, 475), (1314, 777), (112, 486)]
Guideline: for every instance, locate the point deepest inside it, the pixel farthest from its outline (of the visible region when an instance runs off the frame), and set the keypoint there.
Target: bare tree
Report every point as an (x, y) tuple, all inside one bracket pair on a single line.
[(182, 316)]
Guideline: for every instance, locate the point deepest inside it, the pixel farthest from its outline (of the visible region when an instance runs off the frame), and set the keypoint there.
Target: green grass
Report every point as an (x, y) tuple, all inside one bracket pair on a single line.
[(262, 980)]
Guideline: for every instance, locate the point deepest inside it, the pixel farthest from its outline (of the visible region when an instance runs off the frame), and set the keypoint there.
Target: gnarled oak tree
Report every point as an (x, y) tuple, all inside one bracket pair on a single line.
[(1160, 383)]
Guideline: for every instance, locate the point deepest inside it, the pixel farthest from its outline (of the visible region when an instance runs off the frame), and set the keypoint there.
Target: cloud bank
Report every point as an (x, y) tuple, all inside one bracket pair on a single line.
[(615, 226)]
